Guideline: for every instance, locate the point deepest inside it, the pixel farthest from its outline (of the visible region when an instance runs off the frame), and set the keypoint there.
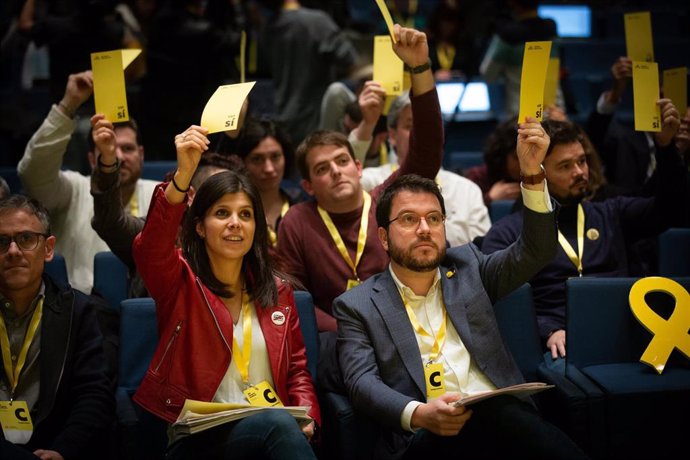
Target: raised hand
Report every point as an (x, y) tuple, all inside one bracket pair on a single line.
[(78, 90), (411, 46), (189, 145), (532, 144), (670, 122), (104, 138), (371, 101)]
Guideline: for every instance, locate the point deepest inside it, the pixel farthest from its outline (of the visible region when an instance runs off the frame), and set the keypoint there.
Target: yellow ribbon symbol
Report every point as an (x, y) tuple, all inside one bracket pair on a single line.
[(668, 333)]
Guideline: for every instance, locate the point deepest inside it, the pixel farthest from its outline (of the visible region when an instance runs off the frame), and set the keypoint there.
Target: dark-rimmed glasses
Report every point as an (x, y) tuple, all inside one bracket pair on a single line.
[(26, 241), (411, 220)]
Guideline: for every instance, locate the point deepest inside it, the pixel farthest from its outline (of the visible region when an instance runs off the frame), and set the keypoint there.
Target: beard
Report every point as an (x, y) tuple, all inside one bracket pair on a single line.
[(405, 258)]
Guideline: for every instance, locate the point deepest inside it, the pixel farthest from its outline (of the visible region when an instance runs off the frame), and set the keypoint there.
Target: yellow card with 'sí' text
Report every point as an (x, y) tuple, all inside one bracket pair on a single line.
[(386, 17), (551, 83), (109, 91), (645, 78), (222, 111), (638, 36), (535, 62), (676, 88)]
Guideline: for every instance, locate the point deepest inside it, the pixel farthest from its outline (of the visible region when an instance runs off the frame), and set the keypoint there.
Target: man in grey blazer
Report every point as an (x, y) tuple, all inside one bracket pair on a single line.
[(415, 337)]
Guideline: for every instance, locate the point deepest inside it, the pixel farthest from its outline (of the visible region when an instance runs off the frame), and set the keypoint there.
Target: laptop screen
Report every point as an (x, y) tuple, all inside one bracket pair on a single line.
[(457, 97), (572, 21)]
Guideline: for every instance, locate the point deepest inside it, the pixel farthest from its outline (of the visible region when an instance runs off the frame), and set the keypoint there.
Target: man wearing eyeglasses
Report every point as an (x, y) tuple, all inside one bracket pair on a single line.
[(414, 338), (56, 399)]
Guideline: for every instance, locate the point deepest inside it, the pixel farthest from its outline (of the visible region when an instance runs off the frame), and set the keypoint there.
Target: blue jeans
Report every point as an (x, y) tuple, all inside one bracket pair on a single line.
[(269, 435)]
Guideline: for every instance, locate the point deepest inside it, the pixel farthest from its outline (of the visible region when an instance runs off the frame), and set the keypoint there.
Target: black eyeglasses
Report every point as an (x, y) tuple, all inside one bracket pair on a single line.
[(27, 241), (411, 220)]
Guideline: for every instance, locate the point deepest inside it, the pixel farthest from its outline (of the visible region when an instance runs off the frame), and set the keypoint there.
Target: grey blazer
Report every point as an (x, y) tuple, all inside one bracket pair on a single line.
[(377, 350)]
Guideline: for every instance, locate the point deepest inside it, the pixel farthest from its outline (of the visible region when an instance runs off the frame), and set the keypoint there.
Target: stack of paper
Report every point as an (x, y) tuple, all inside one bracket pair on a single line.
[(197, 416), (522, 389)]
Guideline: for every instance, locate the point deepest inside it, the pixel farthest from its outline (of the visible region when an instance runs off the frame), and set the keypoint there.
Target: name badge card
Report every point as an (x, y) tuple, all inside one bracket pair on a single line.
[(109, 91), (676, 88), (645, 94), (386, 17), (16, 421), (535, 62), (262, 395), (551, 83), (435, 379), (222, 111), (638, 36)]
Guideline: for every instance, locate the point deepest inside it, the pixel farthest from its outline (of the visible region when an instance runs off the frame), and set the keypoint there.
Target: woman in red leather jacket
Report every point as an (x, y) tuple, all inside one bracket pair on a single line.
[(228, 325)]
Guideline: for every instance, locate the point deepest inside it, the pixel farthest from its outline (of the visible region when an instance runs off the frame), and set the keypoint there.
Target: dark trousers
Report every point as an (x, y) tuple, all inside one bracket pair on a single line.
[(269, 435), (9, 451), (501, 427)]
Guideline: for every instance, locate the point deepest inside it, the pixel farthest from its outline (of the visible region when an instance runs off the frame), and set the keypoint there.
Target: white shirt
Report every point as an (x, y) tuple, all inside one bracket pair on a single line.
[(466, 214)]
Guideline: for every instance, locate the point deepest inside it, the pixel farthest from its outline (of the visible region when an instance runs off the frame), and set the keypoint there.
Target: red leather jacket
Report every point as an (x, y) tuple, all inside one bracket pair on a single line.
[(195, 328)]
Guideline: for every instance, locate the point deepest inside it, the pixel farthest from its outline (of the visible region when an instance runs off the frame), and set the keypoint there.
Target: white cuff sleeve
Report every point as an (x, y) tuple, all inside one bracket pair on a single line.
[(536, 200), (406, 416), (604, 107)]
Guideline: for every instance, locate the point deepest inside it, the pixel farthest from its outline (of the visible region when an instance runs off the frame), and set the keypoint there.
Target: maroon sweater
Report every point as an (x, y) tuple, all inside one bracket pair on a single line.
[(307, 249)]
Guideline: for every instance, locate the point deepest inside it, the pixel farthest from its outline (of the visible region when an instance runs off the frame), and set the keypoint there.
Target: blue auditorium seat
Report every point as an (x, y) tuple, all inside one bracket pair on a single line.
[(310, 332), (498, 209), (12, 178), (110, 278), (460, 161), (644, 414), (156, 170), (674, 252), (57, 269)]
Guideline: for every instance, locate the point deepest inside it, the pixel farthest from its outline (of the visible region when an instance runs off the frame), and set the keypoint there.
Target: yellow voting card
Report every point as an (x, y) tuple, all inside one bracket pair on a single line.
[(638, 36), (386, 17), (109, 91), (645, 94), (222, 111), (388, 68), (676, 88), (551, 84), (535, 62)]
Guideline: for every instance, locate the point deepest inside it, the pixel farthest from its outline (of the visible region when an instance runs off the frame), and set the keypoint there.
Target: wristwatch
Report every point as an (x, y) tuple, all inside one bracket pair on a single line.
[(535, 178), (420, 68)]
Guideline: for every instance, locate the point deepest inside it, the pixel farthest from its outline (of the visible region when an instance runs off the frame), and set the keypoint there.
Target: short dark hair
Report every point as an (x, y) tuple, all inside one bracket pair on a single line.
[(561, 133), (316, 139), (408, 182), (31, 205), (257, 265), (213, 160), (254, 131), (131, 124)]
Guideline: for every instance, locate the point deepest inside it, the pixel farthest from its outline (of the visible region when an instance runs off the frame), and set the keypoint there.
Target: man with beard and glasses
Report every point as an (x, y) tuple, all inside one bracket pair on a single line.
[(414, 338), (606, 229), (67, 194)]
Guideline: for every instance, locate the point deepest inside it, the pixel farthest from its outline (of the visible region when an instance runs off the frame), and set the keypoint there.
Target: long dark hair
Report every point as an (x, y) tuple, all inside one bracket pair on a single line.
[(256, 264)]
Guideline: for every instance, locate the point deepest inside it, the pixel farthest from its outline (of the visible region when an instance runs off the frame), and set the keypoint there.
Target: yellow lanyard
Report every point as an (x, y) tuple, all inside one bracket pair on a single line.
[(411, 12), (440, 338), (446, 55), (134, 205), (383, 154), (361, 239), (272, 236), (241, 358), (576, 259), (13, 374)]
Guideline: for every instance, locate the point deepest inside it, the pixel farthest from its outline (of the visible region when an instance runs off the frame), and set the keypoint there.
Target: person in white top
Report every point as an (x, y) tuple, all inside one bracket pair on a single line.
[(467, 216), (67, 194)]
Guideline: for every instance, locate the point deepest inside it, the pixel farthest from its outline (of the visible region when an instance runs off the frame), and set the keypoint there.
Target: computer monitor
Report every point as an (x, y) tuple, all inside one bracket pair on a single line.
[(475, 98), (572, 21), (463, 100), (449, 94)]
